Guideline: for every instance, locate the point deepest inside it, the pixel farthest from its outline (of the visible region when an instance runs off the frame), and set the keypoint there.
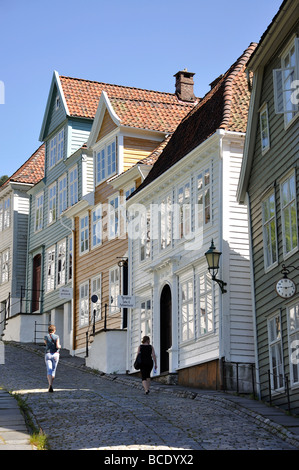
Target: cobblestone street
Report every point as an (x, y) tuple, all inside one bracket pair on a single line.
[(89, 411)]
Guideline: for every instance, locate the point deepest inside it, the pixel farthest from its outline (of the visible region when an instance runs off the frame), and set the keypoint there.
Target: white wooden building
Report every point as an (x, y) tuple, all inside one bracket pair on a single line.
[(188, 199)]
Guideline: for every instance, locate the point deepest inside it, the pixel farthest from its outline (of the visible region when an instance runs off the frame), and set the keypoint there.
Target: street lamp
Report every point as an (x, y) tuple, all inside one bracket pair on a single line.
[(213, 257)]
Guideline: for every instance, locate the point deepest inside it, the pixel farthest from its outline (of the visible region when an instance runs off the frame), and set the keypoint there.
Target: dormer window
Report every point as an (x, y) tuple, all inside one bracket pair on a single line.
[(105, 157)]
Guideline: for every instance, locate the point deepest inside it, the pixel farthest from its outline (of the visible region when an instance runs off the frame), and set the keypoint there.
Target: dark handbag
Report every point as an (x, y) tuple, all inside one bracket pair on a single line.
[(137, 363)]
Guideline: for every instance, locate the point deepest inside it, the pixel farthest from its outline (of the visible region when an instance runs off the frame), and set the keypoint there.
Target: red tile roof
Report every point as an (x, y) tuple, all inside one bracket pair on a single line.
[(225, 106), (32, 171), (143, 109)]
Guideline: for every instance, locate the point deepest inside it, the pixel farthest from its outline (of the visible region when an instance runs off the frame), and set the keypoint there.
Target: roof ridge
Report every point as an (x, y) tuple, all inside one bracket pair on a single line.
[(25, 165), (228, 79), (119, 86)]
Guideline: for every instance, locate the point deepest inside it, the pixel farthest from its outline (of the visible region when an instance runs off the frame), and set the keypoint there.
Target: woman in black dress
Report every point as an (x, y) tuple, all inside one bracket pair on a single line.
[(148, 359)]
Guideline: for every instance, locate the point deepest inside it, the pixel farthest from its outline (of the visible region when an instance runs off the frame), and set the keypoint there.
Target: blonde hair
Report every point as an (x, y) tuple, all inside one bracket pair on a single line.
[(51, 328)]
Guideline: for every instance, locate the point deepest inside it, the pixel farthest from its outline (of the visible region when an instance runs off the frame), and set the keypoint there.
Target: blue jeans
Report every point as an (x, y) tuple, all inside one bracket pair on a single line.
[(51, 363)]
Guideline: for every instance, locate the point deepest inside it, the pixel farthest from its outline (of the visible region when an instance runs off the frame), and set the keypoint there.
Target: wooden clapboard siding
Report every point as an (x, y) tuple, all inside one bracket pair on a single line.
[(236, 251), (98, 261), (107, 126), (79, 133), (136, 149), (266, 173)]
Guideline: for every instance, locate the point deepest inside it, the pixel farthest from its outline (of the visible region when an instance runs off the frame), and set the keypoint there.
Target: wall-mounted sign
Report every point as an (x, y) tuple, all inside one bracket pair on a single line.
[(126, 301)]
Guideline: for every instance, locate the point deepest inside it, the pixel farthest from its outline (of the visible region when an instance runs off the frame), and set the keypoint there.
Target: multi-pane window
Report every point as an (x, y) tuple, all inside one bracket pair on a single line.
[(84, 234), (1, 216), (105, 162), (84, 303), (146, 318), (269, 231), (286, 83), (114, 288), (50, 268), (289, 214), (275, 352), (5, 266), (52, 204), (264, 127), (145, 235), (6, 214), (62, 194), (73, 186), (166, 222), (293, 324), (184, 211), (113, 217), (203, 198), (97, 226), (39, 210), (187, 311), (96, 289), (56, 148), (205, 304), (61, 263)]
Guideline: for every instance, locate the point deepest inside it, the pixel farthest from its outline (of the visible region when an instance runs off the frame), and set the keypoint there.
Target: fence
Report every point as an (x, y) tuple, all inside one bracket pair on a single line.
[(239, 377), (40, 333)]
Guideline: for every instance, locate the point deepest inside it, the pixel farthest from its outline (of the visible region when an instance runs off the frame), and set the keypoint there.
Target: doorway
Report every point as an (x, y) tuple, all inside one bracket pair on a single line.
[(165, 327), (36, 283)]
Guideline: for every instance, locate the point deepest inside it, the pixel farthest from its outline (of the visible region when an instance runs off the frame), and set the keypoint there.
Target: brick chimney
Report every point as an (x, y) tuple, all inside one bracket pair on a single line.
[(184, 85)]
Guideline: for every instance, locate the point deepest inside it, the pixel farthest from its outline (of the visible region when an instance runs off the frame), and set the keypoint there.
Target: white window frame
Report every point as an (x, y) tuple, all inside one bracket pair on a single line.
[(183, 222), (293, 341), (203, 201), (96, 289), (5, 259), (1, 216), (264, 128), (50, 276), (39, 211), (62, 194), (84, 233), (187, 309), (96, 223), (145, 235), (288, 204), (73, 185), (114, 289), (275, 352), (205, 304), (286, 82), (52, 203), (105, 161), (269, 228), (6, 213), (166, 222), (146, 317), (84, 304), (114, 216), (56, 148), (61, 263)]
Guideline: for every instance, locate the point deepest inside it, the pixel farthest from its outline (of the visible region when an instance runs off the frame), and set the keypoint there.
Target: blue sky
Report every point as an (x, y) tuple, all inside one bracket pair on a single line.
[(134, 43)]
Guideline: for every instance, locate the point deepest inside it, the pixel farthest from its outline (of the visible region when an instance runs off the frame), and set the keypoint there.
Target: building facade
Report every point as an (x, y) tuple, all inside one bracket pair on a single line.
[(187, 200), (269, 184)]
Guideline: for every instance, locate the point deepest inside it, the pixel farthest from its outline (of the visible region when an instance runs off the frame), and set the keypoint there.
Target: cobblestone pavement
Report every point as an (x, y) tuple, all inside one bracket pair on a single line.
[(90, 411)]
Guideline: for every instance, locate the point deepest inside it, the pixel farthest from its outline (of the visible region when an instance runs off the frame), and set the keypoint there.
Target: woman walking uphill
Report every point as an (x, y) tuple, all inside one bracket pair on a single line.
[(148, 356), (52, 343)]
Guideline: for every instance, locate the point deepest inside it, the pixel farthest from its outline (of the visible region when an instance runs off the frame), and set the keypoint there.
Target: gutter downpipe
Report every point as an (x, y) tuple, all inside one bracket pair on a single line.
[(220, 231)]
